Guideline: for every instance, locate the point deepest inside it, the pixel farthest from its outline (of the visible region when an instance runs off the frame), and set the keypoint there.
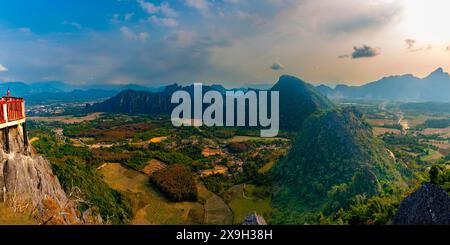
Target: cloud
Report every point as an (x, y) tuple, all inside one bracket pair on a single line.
[(410, 43), (119, 18), (3, 68), (73, 24), (364, 51), (200, 5), (148, 7), (352, 16), (131, 35), (152, 9), (344, 56), (163, 21), (277, 66), (411, 46)]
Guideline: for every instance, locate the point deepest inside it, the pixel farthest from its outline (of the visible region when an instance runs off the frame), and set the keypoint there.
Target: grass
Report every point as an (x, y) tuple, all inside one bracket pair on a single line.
[(432, 156), (9, 217), (244, 200), (268, 166)]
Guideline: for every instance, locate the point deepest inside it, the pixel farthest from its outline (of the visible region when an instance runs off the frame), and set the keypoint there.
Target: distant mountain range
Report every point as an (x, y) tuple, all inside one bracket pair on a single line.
[(408, 88), (297, 101), (57, 91)]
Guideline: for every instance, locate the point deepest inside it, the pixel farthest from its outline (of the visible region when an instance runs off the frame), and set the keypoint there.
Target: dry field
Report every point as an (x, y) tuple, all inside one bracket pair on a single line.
[(380, 131), (67, 119), (153, 166), (381, 122), (215, 170), (443, 132), (207, 152)]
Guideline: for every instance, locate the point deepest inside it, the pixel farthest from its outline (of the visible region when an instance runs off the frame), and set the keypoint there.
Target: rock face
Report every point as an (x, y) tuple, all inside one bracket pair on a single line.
[(254, 219), (429, 205), (27, 183)]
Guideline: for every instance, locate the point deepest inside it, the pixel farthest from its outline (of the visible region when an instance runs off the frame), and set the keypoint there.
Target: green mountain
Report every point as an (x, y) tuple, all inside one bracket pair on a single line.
[(334, 161), (298, 100)]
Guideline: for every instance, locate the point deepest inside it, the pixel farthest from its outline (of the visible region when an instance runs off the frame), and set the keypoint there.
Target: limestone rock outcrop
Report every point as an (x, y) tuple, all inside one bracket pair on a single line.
[(429, 205), (27, 183)]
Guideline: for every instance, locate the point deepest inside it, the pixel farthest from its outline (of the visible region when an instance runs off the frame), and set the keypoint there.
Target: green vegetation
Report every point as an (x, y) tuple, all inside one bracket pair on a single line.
[(435, 123), (298, 100), (334, 160), (112, 205), (218, 183), (76, 167), (440, 175), (245, 199)]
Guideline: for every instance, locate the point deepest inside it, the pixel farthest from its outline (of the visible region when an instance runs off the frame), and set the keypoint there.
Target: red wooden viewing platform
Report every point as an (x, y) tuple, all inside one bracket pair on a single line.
[(12, 111)]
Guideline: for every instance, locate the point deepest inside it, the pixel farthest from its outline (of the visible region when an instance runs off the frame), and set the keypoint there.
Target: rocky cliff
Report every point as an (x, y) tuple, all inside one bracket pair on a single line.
[(27, 184)]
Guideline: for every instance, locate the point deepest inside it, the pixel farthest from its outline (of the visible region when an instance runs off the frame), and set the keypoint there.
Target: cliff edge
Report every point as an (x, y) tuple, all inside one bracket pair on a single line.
[(27, 184)]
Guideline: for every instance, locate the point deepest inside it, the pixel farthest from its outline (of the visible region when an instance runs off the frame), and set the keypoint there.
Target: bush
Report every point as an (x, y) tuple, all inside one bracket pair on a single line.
[(177, 182)]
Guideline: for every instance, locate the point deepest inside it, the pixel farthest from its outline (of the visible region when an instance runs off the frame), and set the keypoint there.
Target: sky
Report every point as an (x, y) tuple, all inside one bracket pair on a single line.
[(231, 42)]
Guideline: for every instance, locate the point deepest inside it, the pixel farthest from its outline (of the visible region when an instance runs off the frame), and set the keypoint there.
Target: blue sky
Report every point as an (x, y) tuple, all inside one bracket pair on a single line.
[(232, 42)]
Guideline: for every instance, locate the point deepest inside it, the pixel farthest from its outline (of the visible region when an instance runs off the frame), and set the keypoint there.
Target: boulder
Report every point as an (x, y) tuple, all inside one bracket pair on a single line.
[(429, 205)]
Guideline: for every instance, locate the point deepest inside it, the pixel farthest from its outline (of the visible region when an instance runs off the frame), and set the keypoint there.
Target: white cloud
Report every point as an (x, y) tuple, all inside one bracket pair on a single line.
[(201, 5), (152, 9), (3, 68), (163, 21), (143, 36), (167, 10), (131, 35)]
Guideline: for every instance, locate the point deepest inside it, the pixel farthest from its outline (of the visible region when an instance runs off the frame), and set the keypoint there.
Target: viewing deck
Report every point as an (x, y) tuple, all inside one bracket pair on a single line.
[(12, 111)]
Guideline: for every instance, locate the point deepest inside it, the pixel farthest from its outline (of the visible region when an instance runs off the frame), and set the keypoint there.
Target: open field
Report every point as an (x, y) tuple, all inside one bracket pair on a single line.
[(243, 200), (215, 170), (153, 166), (67, 119), (268, 166), (432, 156), (381, 122), (380, 131), (443, 132)]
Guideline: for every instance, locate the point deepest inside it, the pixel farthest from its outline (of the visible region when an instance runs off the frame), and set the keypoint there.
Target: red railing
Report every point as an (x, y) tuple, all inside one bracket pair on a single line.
[(14, 108), (2, 116)]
